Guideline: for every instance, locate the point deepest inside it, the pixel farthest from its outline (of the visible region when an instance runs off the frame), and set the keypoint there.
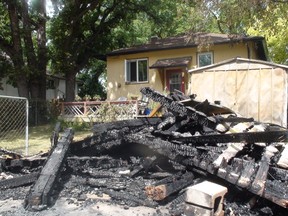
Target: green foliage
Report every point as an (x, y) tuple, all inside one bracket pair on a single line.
[(111, 112), (93, 80), (266, 18), (274, 29), (76, 125)]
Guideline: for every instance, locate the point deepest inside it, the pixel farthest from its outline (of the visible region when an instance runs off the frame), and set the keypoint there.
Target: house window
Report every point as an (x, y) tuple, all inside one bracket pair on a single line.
[(51, 84), (205, 59), (136, 70)]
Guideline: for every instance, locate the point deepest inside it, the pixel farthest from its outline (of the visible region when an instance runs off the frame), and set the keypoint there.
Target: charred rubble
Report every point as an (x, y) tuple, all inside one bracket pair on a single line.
[(150, 161)]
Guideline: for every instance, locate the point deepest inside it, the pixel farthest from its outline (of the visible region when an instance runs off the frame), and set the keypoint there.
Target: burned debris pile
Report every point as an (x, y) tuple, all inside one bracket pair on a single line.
[(163, 161)]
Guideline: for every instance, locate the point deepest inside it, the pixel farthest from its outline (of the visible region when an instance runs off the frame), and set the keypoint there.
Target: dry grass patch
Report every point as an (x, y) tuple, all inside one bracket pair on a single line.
[(39, 140)]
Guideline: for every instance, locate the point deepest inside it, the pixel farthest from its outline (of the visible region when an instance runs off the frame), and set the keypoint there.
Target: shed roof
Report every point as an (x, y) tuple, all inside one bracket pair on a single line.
[(191, 40), (239, 64)]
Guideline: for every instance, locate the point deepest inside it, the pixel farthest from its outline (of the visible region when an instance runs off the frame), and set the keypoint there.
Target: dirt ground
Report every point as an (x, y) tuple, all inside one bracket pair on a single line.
[(63, 206)]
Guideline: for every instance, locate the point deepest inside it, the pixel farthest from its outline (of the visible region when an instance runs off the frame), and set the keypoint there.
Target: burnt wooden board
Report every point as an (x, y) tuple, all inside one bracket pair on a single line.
[(39, 195)]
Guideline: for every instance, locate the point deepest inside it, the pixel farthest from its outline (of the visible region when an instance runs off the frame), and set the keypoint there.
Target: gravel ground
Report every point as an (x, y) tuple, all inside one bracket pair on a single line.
[(64, 206)]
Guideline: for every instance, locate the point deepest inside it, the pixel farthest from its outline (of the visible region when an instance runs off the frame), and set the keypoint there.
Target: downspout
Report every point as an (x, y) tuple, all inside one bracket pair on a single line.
[(248, 51)]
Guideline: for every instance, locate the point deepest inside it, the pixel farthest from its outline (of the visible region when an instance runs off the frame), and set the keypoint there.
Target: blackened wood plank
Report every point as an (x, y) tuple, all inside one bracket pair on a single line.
[(39, 196), (276, 192), (19, 180), (246, 137), (258, 184), (99, 129), (162, 191)]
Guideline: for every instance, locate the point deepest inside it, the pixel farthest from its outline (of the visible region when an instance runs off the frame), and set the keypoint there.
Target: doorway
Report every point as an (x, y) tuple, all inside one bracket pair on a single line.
[(175, 80)]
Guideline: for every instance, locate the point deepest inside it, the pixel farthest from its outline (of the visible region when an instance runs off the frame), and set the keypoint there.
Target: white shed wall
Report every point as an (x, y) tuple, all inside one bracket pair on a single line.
[(255, 92)]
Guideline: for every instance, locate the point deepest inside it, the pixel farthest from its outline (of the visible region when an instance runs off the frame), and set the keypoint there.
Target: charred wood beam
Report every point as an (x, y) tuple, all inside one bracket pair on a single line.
[(107, 135), (9, 154), (78, 164), (109, 183), (160, 192), (146, 164), (242, 174), (129, 199), (258, 184), (39, 196), (278, 174), (276, 192), (179, 108), (246, 137), (19, 181), (103, 128)]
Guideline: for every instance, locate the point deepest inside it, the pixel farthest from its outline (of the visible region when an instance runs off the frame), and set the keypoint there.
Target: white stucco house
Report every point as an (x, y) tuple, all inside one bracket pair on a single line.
[(55, 87)]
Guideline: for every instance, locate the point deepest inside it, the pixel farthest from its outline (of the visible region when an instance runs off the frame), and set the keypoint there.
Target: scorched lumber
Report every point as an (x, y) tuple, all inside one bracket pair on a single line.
[(245, 173), (160, 192), (100, 129), (109, 134), (39, 195), (19, 180), (179, 108)]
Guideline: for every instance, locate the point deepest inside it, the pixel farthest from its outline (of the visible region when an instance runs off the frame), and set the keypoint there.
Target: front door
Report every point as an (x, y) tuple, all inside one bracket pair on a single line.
[(175, 80)]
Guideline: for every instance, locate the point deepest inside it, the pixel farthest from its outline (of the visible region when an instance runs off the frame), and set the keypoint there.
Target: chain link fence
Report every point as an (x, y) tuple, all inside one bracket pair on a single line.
[(14, 123)]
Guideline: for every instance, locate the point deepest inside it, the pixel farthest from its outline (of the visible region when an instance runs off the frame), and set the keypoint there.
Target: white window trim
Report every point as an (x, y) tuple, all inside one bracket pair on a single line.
[(204, 53), (137, 74)]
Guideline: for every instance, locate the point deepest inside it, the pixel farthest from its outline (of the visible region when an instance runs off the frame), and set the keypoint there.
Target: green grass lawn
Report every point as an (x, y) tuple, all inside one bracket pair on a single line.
[(39, 140)]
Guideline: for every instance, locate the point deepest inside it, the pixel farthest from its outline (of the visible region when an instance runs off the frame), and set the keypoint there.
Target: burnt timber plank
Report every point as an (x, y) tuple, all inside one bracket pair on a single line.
[(244, 172), (160, 192), (180, 108), (103, 133), (258, 184), (19, 180), (39, 195), (247, 137), (99, 129), (276, 192)]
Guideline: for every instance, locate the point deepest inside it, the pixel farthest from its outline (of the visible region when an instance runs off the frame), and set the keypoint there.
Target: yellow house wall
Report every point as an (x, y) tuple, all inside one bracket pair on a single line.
[(117, 87)]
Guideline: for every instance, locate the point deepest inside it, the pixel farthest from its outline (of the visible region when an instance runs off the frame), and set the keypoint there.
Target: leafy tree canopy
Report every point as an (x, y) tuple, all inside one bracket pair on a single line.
[(93, 80), (83, 30)]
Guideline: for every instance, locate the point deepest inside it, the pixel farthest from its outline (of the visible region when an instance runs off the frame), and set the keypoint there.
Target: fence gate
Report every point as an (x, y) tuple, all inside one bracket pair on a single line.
[(14, 124)]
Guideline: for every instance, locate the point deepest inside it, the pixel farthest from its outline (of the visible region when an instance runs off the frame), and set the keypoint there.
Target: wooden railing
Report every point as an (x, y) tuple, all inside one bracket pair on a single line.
[(100, 111)]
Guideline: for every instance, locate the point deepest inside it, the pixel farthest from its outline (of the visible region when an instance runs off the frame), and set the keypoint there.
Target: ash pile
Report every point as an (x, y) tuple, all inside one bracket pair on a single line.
[(198, 158)]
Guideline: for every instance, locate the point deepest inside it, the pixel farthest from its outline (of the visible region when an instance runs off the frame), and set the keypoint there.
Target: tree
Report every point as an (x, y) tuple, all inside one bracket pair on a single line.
[(273, 25), (266, 18), (93, 80), (23, 46), (83, 30)]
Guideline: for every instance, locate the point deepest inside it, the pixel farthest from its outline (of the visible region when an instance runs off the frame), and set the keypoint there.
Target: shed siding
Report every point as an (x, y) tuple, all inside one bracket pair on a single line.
[(259, 93)]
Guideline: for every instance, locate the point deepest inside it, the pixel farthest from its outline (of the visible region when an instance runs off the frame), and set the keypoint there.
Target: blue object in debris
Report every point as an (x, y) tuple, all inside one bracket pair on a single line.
[(147, 111)]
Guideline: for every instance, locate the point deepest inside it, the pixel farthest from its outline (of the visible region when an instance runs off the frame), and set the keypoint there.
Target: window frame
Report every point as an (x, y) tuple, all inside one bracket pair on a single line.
[(137, 70), (202, 54)]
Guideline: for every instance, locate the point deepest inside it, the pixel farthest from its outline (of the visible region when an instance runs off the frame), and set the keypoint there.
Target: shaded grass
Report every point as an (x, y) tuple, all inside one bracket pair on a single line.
[(39, 140)]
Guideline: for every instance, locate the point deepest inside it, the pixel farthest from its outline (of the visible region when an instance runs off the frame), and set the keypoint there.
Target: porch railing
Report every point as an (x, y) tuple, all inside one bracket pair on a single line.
[(99, 111)]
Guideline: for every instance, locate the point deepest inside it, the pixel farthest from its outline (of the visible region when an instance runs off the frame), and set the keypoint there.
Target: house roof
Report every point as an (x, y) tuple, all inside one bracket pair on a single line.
[(191, 40), (172, 62), (242, 63)]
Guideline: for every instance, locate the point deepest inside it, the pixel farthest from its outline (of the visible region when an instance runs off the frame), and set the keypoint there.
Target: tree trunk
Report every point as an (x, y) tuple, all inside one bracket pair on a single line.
[(22, 87), (42, 50), (70, 86)]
